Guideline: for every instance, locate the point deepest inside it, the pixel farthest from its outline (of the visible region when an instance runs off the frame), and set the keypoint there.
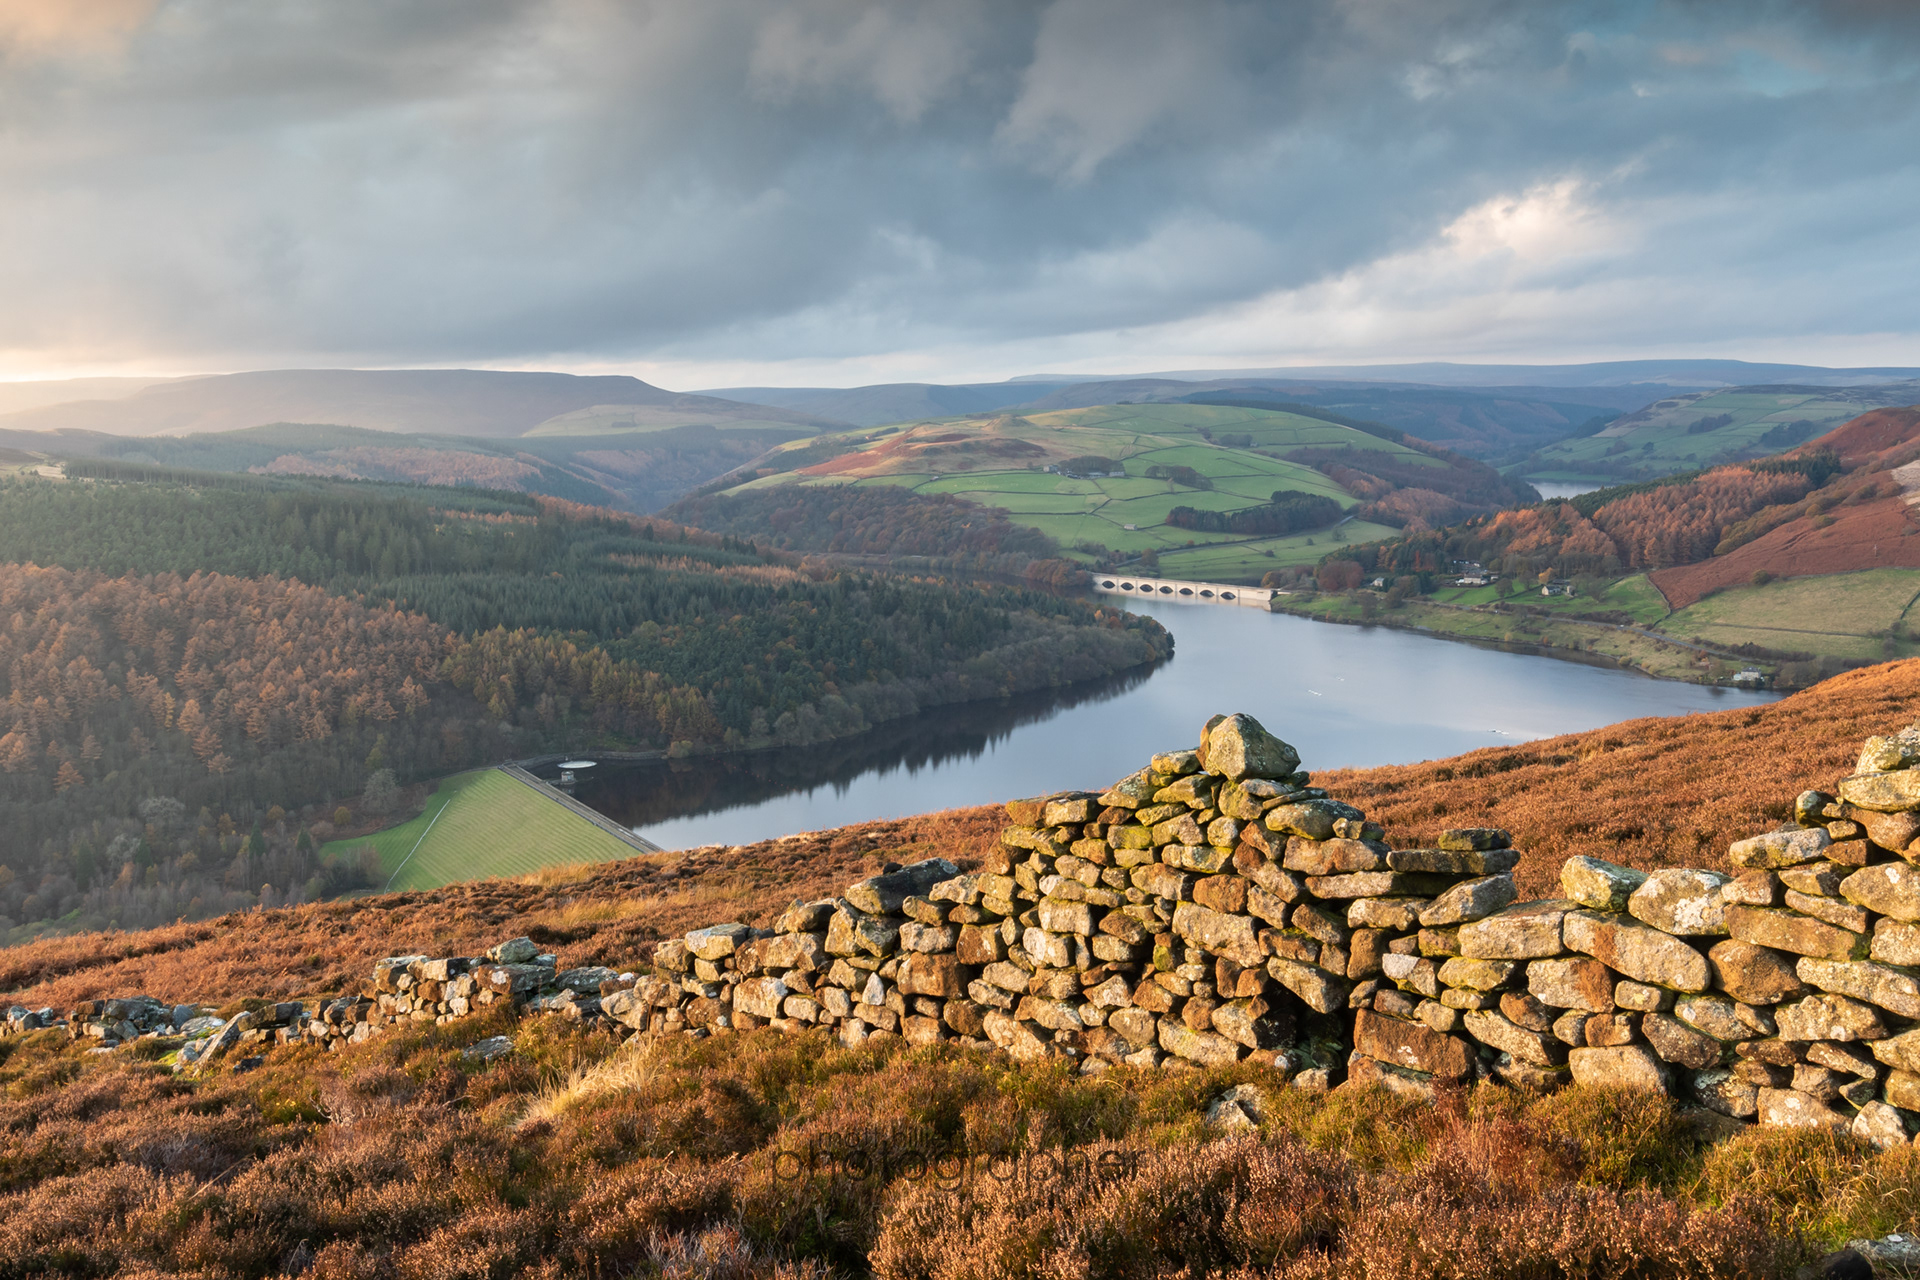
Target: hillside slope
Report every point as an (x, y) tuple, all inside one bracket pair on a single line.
[(470, 402), (1651, 793)]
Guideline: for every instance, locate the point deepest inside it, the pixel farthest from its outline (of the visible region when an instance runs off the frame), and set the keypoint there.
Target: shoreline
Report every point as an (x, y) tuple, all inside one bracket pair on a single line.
[(1590, 643)]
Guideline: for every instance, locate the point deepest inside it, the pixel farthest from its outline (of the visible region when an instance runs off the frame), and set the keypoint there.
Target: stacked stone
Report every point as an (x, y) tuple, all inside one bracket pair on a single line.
[(21, 1019), (426, 989), (118, 1021), (1209, 908), (1786, 992), (1192, 913), (881, 960)]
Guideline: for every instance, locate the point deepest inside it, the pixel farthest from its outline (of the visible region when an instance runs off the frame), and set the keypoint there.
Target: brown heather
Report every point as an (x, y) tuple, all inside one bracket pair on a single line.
[(682, 1158), (610, 913), (399, 1158), (1652, 793)]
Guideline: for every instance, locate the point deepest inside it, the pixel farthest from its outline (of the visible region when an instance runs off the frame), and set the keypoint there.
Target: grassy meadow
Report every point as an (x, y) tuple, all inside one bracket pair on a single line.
[(484, 823), (1845, 615)]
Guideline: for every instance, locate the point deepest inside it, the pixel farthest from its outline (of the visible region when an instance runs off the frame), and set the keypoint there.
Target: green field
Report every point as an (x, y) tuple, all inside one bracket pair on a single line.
[(1656, 441), (1846, 615), (1249, 561), (1634, 595), (480, 824), (1138, 437)]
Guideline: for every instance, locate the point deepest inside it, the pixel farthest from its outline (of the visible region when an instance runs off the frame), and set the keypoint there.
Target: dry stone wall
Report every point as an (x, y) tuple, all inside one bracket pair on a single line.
[(1215, 908)]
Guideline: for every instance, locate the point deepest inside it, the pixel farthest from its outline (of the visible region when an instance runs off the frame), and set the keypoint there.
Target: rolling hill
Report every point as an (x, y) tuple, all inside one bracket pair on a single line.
[(1686, 432), (878, 405), (637, 470), (464, 402), (1476, 422), (1800, 561), (17, 396), (1170, 479)]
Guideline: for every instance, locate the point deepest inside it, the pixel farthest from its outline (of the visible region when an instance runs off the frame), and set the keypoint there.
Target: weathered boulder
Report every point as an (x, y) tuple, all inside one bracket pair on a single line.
[(1631, 1066), (1716, 1016), (1681, 901), (1158, 880), (1319, 990), (1313, 819), (1833, 911), (1752, 889), (1400, 915), (979, 944), (1575, 983), (1533, 1047), (1054, 1015), (1829, 1017), (1454, 862), (489, 1049), (760, 997), (1893, 751), (512, 951), (1678, 1043), (1246, 1021), (806, 917), (1600, 885), (1790, 931), (1378, 884), (1753, 974), (1241, 1107), (1059, 916), (1880, 1126), (1237, 747), (1895, 990), (1903, 1090), (1640, 952), (1892, 889), (940, 975), (883, 894), (1476, 974), (915, 936), (1719, 1089), (1333, 856), (1895, 942), (1891, 792), (1137, 1025), (1475, 839), (1777, 849), (1019, 1040), (1787, 1108), (1901, 1051), (1523, 1010), (1522, 932), (1215, 931), (1052, 950), (1411, 1045), (1203, 1047), (1470, 900), (795, 951)]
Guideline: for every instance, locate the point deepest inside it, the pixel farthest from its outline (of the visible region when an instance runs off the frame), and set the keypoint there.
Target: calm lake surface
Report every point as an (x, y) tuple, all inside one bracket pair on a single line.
[(1343, 695)]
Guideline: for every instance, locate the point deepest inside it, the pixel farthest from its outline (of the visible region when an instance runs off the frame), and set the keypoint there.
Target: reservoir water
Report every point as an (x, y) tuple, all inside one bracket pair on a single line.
[(1343, 695)]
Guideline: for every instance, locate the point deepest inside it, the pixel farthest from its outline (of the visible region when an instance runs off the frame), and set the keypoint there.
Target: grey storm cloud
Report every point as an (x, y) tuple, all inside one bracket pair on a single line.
[(229, 183)]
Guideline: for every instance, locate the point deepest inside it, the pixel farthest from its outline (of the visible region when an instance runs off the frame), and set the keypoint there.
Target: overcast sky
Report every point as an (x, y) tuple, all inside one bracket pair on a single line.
[(707, 192)]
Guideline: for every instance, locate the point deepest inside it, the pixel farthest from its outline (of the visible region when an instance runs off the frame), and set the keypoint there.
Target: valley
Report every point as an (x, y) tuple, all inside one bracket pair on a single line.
[(207, 676)]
